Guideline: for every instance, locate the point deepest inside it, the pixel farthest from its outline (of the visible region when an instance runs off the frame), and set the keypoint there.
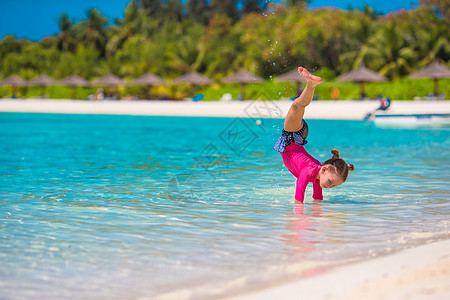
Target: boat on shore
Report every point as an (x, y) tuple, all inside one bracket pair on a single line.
[(412, 114), (419, 119)]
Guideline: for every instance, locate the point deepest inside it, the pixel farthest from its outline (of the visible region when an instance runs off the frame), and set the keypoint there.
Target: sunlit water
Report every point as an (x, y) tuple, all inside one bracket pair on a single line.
[(130, 206)]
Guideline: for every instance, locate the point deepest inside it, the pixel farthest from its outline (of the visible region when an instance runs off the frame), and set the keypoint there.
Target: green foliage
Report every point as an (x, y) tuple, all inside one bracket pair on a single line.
[(30, 61), (92, 31), (215, 39), (197, 10), (225, 7), (400, 89)]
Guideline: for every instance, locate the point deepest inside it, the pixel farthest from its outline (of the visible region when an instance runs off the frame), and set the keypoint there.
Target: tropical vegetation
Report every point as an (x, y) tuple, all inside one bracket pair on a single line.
[(216, 39)]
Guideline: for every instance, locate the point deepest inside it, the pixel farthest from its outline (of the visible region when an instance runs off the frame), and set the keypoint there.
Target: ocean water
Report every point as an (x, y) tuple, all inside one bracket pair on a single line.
[(123, 207)]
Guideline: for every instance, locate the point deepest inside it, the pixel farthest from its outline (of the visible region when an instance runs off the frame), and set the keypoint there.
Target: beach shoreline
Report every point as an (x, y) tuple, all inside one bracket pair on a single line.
[(338, 110), (421, 272)]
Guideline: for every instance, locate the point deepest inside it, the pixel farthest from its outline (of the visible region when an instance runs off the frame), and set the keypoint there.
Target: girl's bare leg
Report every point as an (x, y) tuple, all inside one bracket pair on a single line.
[(293, 121)]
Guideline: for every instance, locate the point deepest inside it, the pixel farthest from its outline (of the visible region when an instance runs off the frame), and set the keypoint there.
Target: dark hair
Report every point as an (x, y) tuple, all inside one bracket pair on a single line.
[(338, 165)]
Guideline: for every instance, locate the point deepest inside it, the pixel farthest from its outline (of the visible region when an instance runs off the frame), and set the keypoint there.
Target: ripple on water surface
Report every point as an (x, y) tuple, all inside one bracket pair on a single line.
[(134, 206)]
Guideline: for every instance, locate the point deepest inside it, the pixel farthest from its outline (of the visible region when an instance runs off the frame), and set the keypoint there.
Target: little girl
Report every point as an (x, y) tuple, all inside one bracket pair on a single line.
[(299, 162)]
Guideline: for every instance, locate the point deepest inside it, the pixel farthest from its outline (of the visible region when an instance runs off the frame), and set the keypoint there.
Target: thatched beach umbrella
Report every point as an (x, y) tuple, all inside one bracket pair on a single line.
[(292, 76), (74, 81), (14, 81), (148, 80), (42, 81), (243, 77), (194, 79), (108, 80), (362, 75), (434, 71)]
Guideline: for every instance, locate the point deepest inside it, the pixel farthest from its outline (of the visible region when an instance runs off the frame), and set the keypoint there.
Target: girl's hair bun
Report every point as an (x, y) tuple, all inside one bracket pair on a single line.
[(335, 154), (351, 167)]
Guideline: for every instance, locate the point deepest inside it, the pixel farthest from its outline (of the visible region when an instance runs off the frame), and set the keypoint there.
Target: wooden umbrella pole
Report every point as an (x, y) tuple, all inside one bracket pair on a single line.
[(149, 94), (362, 90), (436, 87)]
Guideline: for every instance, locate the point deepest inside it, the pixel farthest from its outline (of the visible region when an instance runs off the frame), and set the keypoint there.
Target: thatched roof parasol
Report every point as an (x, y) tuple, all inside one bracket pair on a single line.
[(148, 80), (243, 77), (13, 80), (42, 80), (74, 81), (292, 76), (361, 75), (193, 78), (108, 80), (433, 71)]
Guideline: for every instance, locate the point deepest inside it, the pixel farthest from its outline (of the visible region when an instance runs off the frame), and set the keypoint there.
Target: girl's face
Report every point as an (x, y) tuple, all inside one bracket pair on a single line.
[(328, 179)]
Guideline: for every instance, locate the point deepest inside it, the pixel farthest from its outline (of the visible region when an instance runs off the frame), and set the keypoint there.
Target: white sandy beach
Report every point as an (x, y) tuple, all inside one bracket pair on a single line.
[(418, 273), (339, 110)]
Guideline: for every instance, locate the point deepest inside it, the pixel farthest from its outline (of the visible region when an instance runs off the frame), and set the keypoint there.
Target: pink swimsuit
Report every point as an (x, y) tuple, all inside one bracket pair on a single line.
[(305, 167)]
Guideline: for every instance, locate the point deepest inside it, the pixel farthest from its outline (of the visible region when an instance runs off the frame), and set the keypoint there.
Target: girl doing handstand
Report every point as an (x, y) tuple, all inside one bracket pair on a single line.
[(300, 163)]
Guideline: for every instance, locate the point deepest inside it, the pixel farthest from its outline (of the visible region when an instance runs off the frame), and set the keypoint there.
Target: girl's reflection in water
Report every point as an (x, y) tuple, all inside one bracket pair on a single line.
[(302, 228)]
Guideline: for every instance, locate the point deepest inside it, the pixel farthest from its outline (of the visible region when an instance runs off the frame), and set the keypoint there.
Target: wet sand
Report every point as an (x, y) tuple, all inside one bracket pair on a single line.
[(339, 110)]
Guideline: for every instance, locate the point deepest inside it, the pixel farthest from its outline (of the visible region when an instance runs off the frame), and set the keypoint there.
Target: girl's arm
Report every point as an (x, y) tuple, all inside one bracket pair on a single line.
[(302, 182)]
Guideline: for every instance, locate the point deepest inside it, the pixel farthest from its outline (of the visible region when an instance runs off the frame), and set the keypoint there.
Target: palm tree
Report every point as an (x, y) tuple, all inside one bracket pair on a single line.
[(293, 3), (66, 36), (198, 10), (136, 21), (173, 11), (432, 44), (152, 7), (388, 52), (225, 7), (124, 29), (361, 28), (92, 31), (184, 52)]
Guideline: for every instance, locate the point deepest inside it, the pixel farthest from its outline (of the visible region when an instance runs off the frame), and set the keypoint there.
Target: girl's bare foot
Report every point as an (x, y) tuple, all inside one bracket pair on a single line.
[(311, 79)]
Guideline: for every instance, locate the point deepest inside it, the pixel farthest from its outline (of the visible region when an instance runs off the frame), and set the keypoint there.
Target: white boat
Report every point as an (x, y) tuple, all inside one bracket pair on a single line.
[(411, 120)]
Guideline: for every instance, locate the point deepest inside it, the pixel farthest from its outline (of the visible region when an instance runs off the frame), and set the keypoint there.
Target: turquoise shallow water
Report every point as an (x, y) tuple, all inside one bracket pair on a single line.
[(98, 206)]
